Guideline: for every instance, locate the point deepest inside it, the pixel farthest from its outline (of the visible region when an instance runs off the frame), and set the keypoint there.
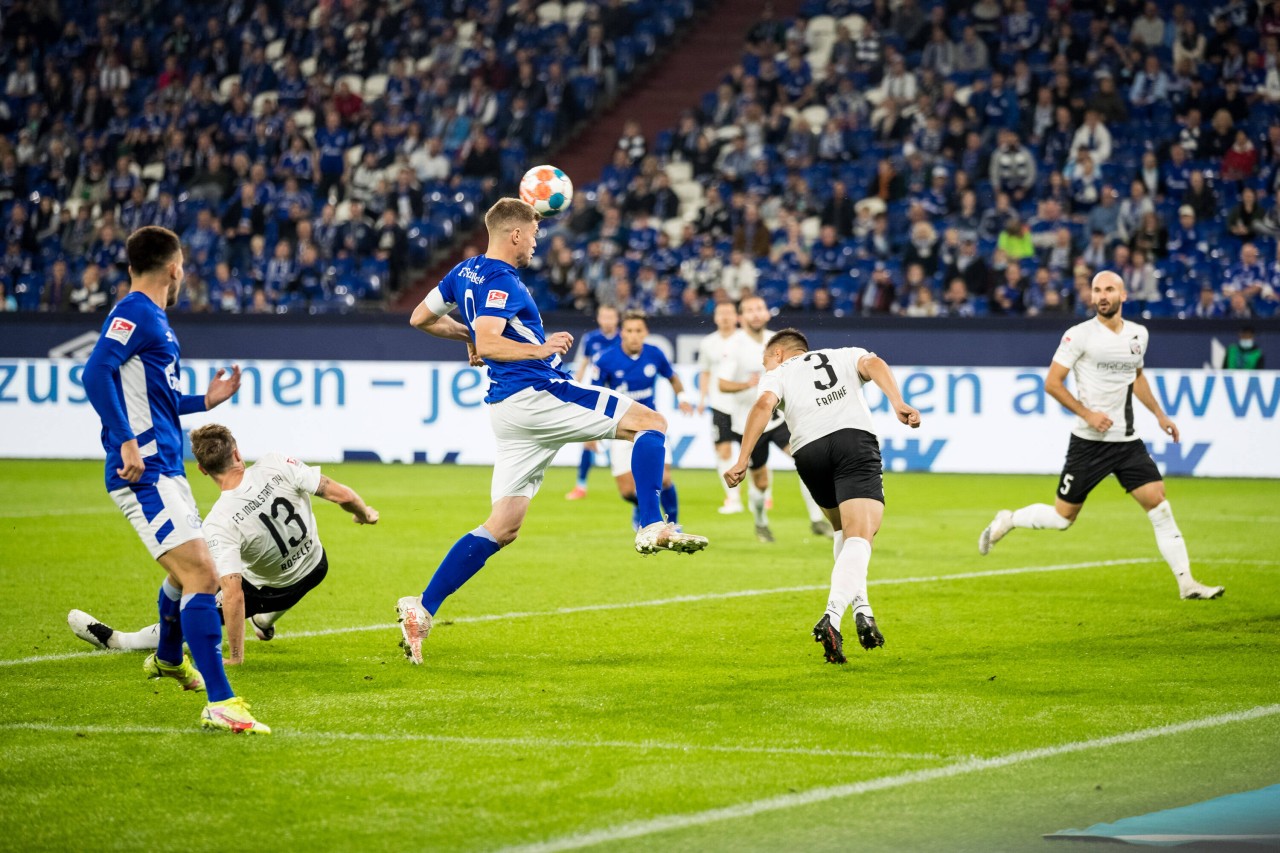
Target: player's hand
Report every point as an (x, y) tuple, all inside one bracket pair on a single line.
[(686, 408), (370, 516), (1098, 420), (558, 344), (1169, 428), (473, 358), (907, 415), (131, 466), (753, 380), (736, 474), (222, 389)]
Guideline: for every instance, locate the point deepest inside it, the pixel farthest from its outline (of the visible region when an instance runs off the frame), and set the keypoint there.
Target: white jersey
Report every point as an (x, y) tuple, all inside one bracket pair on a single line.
[(819, 393), (263, 528), (711, 354), (1105, 364), (744, 358)]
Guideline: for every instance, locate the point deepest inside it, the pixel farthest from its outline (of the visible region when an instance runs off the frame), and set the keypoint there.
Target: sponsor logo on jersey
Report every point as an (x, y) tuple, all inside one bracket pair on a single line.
[(496, 299), (1135, 346), (472, 275), (121, 330)]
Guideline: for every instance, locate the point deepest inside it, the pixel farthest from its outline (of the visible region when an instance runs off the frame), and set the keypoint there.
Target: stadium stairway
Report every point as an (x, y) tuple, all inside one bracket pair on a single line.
[(674, 82)]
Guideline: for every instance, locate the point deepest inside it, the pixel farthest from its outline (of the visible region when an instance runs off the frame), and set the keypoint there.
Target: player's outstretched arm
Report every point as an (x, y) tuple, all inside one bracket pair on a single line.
[(876, 369), (757, 420), (490, 344), (1055, 387), (346, 497), (233, 616), (1142, 390)]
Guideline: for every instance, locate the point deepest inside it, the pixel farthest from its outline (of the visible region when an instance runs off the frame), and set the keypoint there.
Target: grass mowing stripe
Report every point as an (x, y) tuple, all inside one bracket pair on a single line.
[(538, 743), (818, 795), (657, 602)]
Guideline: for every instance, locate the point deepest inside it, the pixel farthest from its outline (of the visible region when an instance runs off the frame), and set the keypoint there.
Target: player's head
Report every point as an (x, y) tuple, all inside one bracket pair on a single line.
[(607, 319), (635, 328), (214, 448), (725, 317), (754, 313), (513, 231), (782, 346), (155, 255), (1108, 294)]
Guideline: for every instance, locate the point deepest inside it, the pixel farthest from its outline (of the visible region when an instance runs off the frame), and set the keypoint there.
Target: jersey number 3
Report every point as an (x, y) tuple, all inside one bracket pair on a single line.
[(291, 517), (823, 365)]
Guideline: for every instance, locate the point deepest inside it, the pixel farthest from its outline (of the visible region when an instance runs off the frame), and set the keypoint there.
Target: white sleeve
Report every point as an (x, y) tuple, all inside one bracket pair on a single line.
[(1070, 350), (856, 355), (304, 478), (771, 382), (704, 358), (436, 304), (224, 545)]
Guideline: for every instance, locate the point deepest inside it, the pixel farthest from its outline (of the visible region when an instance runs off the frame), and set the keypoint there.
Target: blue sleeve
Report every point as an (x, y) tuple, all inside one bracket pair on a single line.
[(603, 374), (100, 372), (191, 403), (664, 366), (500, 297)]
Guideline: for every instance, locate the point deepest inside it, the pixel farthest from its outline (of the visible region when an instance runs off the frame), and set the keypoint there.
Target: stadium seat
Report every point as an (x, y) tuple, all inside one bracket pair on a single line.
[(679, 171), (574, 13), (261, 99), (275, 51), (375, 86), (816, 115), (550, 12), (227, 84)]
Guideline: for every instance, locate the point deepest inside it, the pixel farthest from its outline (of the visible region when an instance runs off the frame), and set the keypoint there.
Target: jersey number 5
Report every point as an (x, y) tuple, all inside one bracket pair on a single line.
[(291, 517), (824, 365)]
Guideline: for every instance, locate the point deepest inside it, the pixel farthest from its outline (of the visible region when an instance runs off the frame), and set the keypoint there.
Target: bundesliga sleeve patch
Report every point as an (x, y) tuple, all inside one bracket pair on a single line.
[(121, 330), (496, 299)]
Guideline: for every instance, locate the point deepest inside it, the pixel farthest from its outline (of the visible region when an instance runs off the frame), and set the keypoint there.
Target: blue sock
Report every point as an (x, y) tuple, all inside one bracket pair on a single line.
[(202, 626), (584, 466), (170, 648), (465, 558), (670, 503), (648, 458)]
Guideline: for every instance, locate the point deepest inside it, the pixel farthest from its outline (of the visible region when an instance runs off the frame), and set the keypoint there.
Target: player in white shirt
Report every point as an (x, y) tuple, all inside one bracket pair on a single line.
[(712, 352), (1106, 355), (837, 453), (263, 537), (740, 371)]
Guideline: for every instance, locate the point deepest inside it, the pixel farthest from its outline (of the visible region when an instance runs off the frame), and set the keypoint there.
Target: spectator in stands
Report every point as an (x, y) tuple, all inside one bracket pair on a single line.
[(1015, 240), (1150, 236), (971, 56), (1241, 160), (90, 296), (877, 296), (1139, 276), (1094, 137), (1246, 216), (922, 249), (1013, 168), (971, 268), (1136, 205)]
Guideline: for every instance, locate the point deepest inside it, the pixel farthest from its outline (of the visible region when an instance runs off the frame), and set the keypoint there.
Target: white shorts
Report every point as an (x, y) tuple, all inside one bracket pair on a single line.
[(620, 456), (531, 426), (164, 513)]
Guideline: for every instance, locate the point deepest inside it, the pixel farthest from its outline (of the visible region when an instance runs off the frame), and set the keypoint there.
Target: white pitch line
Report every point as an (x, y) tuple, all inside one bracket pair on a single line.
[(540, 743), (42, 513), (678, 599), (668, 823)]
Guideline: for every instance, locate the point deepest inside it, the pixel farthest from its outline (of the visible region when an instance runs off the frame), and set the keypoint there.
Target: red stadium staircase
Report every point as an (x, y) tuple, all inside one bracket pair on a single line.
[(675, 81)]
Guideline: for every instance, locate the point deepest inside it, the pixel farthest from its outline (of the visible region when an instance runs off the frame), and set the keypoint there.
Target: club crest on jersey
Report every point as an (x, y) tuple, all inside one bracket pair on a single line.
[(1135, 345), (121, 330), (496, 299)]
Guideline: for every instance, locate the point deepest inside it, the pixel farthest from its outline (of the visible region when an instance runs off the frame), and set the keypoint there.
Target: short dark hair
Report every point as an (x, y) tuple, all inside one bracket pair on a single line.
[(212, 445), (788, 339), (635, 314), (150, 248)]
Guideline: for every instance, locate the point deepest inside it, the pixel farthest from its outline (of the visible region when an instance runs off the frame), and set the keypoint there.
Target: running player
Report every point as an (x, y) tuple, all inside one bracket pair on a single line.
[(132, 379), (1106, 355), (263, 538), (739, 374), (593, 343), (837, 456), (633, 368), (535, 408), (712, 352)]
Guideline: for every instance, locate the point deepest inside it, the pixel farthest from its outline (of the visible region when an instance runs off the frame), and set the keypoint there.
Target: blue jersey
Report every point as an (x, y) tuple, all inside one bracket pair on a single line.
[(595, 342), (634, 375), (132, 378), (485, 287)]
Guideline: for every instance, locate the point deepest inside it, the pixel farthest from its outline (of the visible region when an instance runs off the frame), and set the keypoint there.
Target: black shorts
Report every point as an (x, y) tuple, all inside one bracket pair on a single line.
[(779, 436), (842, 466), (271, 599), (1089, 462), (721, 427)]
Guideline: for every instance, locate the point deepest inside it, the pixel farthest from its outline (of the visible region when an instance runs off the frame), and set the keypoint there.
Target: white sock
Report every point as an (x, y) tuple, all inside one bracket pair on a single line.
[(146, 639), (731, 495), (837, 543), (815, 512), (755, 502), (1171, 544), (1039, 517), (849, 580)]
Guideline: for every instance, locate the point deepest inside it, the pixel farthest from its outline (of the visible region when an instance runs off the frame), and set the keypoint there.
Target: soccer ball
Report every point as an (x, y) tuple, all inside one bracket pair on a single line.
[(547, 188)]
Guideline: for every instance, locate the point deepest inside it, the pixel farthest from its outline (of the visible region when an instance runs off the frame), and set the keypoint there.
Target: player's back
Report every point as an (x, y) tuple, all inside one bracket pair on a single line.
[(487, 287), (267, 523), (634, 375), (137, 340), (819, 393)]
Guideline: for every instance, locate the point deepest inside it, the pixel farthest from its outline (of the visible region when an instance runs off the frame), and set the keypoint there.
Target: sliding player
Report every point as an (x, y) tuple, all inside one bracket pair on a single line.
[(837, 456), (1106, 355), (604, 336)]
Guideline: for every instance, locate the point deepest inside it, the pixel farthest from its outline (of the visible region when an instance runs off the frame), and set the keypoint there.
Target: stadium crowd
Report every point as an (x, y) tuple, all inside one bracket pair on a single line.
[(308, 154), (956, 159)]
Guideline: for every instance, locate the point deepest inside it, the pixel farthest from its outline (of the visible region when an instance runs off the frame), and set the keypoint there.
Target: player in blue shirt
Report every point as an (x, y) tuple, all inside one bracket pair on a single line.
[(593, 343), (133, 380), (633, 368), (535, 408)]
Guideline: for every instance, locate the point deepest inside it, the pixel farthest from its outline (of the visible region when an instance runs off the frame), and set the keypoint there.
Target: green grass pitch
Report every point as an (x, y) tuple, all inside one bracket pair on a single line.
[(686, 717)]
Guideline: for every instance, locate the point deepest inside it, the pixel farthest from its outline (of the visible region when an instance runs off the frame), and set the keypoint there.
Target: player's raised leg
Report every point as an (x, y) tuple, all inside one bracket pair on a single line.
[(100, 635), (647, 431), (1060, 516), (1151, 497)]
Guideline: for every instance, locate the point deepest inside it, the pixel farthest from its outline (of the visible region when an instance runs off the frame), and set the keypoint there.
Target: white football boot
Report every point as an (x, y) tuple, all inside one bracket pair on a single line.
[(665, 536), (996, 530)]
